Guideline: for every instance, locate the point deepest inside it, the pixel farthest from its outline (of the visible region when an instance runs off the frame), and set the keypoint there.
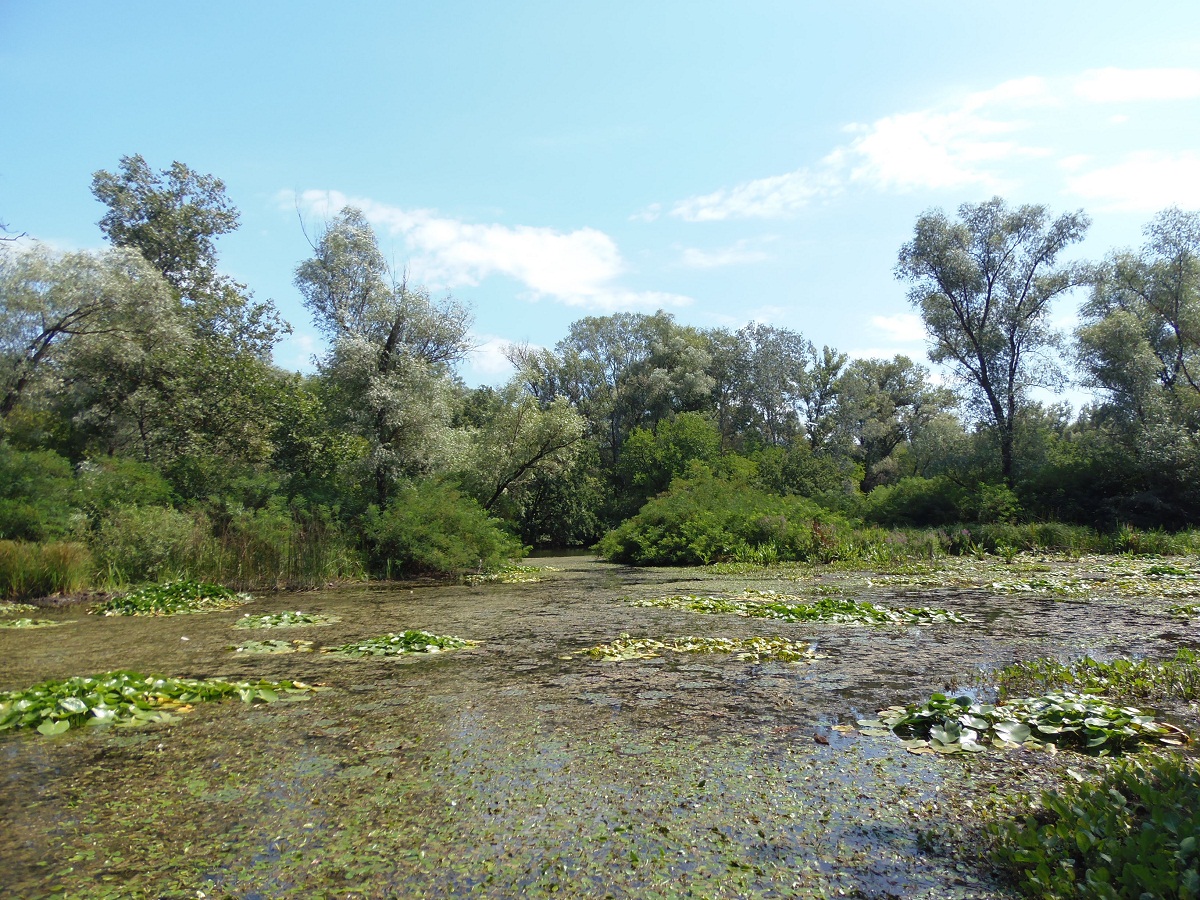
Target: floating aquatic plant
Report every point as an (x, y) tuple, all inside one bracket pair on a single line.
[(32, 623), (128, 699), (274, 646), (295, 619), (1078, 721), (401, 644), (1143, 679), (752, 649), (1184, 610), (790, 608), (510, 575), (172, 598), (10, 608)]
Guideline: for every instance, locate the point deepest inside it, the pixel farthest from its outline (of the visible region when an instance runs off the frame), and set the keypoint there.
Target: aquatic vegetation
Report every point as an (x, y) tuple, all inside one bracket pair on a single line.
[(1081, 722), (172, 598), (749, 649), (32, 623), (401, 644), (128, 699), (1132, 833), (1145, 679), (274, 646), (9, 608), (790, 608), (295, 619), (1184, 610), (512, 574)]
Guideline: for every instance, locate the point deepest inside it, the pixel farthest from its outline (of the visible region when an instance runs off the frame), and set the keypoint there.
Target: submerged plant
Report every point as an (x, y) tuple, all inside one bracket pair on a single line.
[(274, 646), (1133, 833), (1077, 721), (401, 644), (172, 598), (790, 608), (295, 619), (32, 623), (128, 699), (752, 649)]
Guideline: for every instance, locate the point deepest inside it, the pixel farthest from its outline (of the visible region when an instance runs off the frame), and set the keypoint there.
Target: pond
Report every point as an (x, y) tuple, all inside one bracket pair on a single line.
[(522, 766)]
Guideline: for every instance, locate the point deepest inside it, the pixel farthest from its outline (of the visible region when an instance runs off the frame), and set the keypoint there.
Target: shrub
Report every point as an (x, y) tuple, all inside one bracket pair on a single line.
[(38, 570), (143, 543), (914, 502), (35, 491), (1133, 834), (705, 519), (429, 528)]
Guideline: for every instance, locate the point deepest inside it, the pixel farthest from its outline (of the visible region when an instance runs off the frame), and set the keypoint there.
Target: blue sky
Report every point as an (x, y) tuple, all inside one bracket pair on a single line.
[(545, 161)]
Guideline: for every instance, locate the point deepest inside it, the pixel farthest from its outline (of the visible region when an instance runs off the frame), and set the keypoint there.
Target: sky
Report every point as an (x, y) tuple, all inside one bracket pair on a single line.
[(546, 161)]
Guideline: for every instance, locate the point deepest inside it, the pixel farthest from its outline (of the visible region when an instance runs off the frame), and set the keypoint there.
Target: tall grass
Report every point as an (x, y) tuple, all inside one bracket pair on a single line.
[(38, 570)]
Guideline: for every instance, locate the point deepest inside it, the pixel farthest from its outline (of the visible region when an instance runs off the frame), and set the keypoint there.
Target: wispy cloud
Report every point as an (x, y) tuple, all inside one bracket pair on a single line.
[(900, 327), (973, 143), (1143, 182), (739, 253), (577, 268), (1131, 85)]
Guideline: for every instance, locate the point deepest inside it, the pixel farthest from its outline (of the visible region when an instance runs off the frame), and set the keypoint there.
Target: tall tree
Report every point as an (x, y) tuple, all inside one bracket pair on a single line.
[(392, 352), (984, 285), (173, 218)]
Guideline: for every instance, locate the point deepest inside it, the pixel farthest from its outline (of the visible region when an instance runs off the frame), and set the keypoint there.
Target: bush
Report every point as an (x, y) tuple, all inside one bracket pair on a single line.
[(35, 494), (430, 528), (143, 543), (914, 503), (705, 519), (1132, 835), (38, 570)]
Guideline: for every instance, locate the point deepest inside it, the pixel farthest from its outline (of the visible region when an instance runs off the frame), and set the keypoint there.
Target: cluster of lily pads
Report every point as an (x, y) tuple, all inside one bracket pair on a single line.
[(274, 646), (295, 619), (172, 598), (11, 607), (30, 623), (1060, 719), (128, 699), (401, 644), (513, 574), (1144, 679), (1184, 610), (790, 608), (749, 649)]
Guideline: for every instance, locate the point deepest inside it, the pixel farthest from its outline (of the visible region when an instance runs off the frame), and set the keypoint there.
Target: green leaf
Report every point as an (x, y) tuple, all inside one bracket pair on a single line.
[(52, 727)]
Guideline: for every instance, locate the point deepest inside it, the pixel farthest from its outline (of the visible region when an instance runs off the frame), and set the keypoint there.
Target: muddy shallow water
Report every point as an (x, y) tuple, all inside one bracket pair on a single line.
[(522, 767)]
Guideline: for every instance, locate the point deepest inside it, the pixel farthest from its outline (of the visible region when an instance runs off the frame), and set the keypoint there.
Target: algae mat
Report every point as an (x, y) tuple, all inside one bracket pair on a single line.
[(523, 767)]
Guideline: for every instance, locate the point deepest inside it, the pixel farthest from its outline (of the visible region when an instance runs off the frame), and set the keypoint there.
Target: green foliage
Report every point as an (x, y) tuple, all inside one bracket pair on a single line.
[(392, 644), (30, 623), (143, 543), (755, 649), (430, 528), (172, 598), (914, 502), (35, 494), (39, 570), (1143, 679), (127, 699), (295, 619), (651, 459), (1132, 834), (1065, 719), (786, 608), (274, 646), (704, 519)]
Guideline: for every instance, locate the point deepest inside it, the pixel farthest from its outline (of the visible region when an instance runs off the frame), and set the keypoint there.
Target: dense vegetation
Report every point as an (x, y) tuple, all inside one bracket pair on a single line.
[(146, 435)]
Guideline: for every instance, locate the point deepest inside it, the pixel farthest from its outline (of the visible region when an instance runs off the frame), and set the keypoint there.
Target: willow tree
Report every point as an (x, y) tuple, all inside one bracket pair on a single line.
[(391, 355), (984, 285)]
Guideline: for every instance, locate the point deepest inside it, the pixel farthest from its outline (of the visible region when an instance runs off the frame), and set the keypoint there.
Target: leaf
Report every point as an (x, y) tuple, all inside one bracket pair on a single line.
[(52, 727), (73, 705), (1013, 732)]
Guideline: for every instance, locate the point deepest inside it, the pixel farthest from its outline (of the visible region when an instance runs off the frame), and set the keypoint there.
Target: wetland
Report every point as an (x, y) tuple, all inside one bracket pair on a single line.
[(523, 761)]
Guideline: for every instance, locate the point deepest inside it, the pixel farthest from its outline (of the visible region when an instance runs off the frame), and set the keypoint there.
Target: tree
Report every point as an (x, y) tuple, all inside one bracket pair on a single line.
[(984, 285), (1140, 337), (172, 219), (49, 302), (392, 352)]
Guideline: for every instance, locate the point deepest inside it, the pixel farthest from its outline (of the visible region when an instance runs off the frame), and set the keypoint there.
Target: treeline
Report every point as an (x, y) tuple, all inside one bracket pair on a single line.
[(146, 431)]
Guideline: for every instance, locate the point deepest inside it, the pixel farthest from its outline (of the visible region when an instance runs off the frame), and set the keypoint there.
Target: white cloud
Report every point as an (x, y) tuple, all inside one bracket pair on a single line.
[(578, 268), (490, 355), (901, 326), (739, 253), (1113, 85), (296, 351), (1143, 182), (763, 198)]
